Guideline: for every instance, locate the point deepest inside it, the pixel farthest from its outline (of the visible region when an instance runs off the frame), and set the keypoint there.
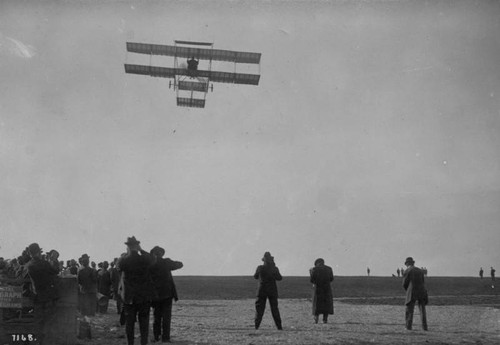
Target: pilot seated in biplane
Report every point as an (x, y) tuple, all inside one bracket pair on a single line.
[(192, 65)]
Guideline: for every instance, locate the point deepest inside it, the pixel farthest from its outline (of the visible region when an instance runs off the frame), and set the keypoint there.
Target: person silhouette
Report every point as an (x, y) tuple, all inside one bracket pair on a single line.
[(267, 274), (414, 285)]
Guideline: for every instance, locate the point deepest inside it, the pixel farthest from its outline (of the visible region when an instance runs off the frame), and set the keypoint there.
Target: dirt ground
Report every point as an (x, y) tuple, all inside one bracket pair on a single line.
[(229, 322)]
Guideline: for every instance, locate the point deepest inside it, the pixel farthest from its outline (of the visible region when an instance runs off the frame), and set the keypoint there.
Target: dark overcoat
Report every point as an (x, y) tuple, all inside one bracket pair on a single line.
[(87, 279), (163, 282), (136, 285), (321, 277), (104, 282), (43, 277), (413, 283), (267, 274)]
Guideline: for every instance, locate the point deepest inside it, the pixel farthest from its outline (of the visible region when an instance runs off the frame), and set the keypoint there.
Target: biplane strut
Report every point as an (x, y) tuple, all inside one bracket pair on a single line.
[(192, 83)]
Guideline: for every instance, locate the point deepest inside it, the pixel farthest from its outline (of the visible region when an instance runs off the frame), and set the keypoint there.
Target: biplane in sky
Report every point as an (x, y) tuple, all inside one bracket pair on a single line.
[(194, 76)]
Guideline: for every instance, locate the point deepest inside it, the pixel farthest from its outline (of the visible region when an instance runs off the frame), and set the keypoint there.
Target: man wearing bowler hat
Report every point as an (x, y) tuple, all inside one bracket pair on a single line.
[(136, 289), (413, 283)]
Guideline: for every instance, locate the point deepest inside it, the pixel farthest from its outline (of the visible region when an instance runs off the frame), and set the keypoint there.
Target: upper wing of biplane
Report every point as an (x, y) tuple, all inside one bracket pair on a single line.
[(198, 53), (167, 72)]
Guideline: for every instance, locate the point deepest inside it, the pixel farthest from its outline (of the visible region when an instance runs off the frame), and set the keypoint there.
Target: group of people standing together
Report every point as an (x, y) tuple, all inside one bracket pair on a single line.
[(268, 273), (492, 273), (144, 281), (321, 277)]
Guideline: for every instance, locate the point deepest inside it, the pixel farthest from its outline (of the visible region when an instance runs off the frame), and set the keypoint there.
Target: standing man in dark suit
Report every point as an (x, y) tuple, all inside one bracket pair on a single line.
[(136, 289), (321, 277), (87, 281), (267, 274), (165, 291), (43, 278), (413, 283)]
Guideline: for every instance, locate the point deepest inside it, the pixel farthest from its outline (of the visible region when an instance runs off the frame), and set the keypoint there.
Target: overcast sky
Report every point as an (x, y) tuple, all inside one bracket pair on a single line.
[(373, 135)]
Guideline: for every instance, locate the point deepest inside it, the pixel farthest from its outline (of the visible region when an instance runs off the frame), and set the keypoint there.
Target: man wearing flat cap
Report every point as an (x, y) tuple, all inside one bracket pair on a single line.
[(165, 292), (268, 274), (413, 283), (136, 289)]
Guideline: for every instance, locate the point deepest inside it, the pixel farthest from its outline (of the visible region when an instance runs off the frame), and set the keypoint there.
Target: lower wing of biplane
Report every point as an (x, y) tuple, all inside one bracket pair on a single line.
[(190, 81)]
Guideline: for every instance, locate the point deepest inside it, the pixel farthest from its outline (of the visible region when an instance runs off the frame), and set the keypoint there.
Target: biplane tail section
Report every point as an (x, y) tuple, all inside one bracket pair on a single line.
[(190, 102)]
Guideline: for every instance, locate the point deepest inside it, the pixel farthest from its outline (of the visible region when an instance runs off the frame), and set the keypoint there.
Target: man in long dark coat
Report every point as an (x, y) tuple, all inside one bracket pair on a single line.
[(87, 280), (321, 277), (136, 289), (413, 283), (267, 274), (165, 292)]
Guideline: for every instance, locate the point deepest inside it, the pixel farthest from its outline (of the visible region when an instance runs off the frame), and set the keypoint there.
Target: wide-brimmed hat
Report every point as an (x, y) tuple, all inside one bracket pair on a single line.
[(157, 250), (409, 260), (267, 257), (131, 241), (34, 248)]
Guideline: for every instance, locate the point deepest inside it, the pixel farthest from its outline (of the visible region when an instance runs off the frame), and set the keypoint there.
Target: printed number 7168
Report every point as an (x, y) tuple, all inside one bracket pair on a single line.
[(23, 337)]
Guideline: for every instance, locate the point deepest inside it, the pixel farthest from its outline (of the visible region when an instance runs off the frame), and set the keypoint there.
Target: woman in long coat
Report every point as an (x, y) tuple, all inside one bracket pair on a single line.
[(321, 277)]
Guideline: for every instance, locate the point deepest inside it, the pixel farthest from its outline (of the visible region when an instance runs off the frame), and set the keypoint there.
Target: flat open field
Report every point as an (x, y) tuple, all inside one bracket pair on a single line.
[(368, 310), (358, 290)]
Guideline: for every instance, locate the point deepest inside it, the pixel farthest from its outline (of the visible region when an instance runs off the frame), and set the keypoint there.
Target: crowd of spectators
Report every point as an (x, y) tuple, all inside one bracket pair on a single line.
[(97, 283)]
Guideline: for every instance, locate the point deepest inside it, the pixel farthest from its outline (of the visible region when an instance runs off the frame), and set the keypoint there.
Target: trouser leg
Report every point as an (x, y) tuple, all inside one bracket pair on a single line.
[(410, 307), (167, 318), (325, 317), (143, 317), (130, 311), (157, 314), (423, 315), (119, 305), (44, 315), (273, 301), (260, 306)]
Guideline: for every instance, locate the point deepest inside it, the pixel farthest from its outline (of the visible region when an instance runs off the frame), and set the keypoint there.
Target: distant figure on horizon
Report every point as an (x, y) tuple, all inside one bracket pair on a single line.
[(413, 283), (368, 271), (398, 271), (481, 272), (321, 277), (268, 274), (492, 272)]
